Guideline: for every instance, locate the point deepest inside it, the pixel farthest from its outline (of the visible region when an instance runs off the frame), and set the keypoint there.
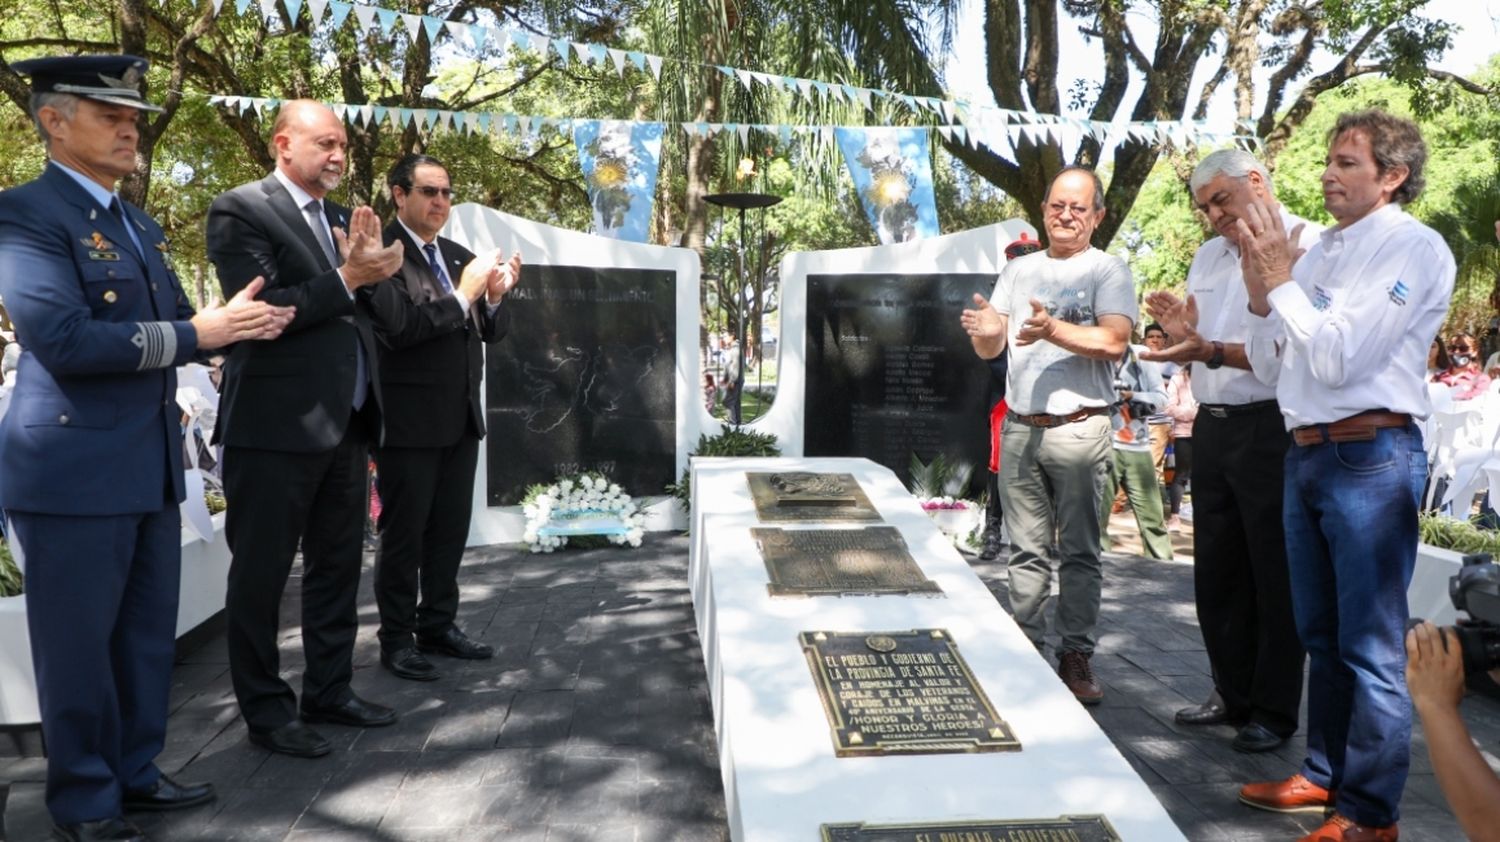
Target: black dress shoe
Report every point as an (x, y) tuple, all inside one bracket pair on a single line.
[(1207, 713), (408, 663), (294, 739), (169, 795), (1255, 738), (113, 830), (455, 644), (356, 712)]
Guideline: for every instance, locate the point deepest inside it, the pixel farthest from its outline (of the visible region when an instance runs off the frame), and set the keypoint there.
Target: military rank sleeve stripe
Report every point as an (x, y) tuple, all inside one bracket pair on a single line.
[(158, 344)]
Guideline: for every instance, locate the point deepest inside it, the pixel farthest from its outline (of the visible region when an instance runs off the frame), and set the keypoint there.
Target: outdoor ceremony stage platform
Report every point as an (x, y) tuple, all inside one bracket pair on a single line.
[(593, 723)]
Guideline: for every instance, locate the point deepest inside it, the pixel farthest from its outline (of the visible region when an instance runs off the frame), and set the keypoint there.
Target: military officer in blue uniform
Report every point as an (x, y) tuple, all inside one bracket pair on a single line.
[(91, 449)]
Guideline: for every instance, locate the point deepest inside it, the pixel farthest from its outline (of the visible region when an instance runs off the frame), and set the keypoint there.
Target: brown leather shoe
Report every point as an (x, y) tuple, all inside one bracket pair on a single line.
[(1341, 828), (1073, 668), (1296, 794)]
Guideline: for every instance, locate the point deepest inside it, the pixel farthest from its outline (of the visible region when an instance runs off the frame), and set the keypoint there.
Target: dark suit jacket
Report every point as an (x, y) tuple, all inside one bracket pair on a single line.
[(431, 349), (93, 426), (293, 393)]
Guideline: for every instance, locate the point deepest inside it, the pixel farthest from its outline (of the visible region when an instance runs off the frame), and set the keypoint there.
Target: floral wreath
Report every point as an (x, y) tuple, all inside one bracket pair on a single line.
[(583, 508)]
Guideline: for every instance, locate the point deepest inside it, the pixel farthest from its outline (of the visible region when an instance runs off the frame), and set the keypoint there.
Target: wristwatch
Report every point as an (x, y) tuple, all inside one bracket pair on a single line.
[(1216, 359)]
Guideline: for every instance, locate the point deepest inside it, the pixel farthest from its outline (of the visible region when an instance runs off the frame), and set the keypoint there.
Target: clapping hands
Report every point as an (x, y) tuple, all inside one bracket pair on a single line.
[(366, 260)]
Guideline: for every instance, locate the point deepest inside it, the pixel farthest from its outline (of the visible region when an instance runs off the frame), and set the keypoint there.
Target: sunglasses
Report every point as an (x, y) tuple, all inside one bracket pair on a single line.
[(433, 192)]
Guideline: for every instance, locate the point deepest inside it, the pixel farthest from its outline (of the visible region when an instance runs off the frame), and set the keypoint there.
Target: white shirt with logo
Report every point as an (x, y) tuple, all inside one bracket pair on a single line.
[(1358, 319)]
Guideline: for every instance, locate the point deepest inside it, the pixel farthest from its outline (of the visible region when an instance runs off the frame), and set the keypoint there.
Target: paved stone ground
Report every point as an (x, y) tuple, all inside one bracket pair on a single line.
[(592, 724)]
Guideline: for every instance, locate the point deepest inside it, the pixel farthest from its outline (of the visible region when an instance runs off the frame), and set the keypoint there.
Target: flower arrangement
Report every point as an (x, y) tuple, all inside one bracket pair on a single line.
[(577, 507), (944, 503)]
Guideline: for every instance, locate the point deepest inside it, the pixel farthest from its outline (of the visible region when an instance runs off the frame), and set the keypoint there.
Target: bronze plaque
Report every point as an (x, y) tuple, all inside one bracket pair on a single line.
[(820, 562), (1061, 829), (902, 693), (808, 496)]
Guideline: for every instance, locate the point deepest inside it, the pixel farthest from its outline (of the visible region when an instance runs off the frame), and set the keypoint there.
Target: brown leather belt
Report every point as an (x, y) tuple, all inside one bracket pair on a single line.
[(1361, 427), (1046, 421)]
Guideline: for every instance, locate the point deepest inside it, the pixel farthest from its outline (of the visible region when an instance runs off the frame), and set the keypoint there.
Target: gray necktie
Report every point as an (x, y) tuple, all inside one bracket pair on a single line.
[(315, 219)]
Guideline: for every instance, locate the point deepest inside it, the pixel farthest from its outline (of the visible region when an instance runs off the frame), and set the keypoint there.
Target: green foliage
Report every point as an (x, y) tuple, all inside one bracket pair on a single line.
[(1163, 231), (10, 575), (939, 477), (1460, 536), (733, 441)]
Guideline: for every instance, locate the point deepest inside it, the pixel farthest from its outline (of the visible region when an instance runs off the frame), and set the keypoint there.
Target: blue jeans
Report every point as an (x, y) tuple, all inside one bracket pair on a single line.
[(1351, 535)]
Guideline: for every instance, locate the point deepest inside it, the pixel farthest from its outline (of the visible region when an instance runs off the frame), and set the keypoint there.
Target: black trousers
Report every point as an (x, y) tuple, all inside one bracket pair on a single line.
[(426, 497), (276, 498), (1240, 570)]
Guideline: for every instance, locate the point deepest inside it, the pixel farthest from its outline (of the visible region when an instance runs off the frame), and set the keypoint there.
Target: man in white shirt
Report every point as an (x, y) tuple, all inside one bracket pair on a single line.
[(1066, 315), (1239, 552), (1355, 317)]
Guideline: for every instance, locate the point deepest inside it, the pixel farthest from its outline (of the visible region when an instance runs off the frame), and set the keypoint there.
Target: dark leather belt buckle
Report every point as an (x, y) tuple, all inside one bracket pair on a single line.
[(1217, 411)]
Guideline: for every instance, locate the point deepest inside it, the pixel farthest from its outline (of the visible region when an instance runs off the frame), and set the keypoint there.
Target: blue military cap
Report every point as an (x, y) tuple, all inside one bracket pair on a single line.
[(115, 79)]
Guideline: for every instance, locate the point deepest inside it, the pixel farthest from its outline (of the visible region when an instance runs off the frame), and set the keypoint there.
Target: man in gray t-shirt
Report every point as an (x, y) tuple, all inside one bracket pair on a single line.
[(1066, 315)]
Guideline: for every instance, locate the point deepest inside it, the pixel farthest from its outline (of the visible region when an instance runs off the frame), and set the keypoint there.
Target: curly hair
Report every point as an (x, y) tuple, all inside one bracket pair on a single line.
[(1395, 141)]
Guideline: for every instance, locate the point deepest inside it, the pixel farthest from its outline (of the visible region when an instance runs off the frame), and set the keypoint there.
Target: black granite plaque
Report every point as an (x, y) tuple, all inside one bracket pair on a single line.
[(1061, 829), (838, 562), (808, 496), (584, 380), (902, 693), (890, 372)]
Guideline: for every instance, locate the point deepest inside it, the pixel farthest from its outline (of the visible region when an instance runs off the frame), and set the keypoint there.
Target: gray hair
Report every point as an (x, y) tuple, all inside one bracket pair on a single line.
[(1098, 185), (1235, 163), (66, 104)]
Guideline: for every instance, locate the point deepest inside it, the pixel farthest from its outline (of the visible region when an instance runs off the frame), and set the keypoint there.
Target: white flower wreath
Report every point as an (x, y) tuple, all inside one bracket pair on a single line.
[(580, 505)]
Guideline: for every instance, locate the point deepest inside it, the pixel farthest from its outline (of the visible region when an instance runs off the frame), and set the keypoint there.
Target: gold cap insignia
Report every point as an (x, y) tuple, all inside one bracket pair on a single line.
[(110, 297)]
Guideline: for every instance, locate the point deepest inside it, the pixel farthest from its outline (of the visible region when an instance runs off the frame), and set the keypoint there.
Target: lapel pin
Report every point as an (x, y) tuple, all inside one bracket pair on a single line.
[(93, 215)]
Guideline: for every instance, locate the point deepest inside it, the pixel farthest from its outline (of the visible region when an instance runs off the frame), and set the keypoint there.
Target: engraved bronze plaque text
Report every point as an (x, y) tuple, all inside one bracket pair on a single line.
[(1062, 829), (902, 693), (812, 562), (807, 496)]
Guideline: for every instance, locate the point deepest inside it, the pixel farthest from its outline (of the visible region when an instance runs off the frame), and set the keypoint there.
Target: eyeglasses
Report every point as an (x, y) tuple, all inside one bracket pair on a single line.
[(433, 192)]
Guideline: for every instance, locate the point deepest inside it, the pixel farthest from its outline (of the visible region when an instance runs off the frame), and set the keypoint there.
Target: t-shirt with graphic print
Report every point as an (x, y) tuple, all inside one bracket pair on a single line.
[(1044, 377)]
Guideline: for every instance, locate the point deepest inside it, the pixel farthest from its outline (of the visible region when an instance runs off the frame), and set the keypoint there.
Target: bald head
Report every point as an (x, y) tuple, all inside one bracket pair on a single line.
[(309, 142)]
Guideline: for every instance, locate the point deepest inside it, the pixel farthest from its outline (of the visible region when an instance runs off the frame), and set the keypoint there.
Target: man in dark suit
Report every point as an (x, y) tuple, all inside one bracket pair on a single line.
[(431, 363), (91, 449), (296, 418)]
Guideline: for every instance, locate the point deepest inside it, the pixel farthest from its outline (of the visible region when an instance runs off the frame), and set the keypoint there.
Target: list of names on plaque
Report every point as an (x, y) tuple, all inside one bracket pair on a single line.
[(1093, 828), (902, 692), (810, 562)]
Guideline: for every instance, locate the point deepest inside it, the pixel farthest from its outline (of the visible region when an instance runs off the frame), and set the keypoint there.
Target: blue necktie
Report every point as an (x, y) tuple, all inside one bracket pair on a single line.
[(437, 267)]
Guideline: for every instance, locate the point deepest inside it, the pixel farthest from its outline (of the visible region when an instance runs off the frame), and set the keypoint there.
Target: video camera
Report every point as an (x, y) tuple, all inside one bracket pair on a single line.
[(1476, 591)]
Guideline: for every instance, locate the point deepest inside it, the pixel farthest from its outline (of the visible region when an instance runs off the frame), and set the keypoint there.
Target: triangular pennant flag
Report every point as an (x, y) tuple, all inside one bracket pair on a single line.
[(704, 129), (849, 92), (560, 46), (786, 134), (431, 118), (525, 122), (946, 132), (368, 113), (511, 123), (597, 52), (448, 119), (315, 10), (240, 6), (432, 26), (744, 77), (413, 25), (268, 9), (521, 39), (618, 58), (387, 20), (380, 112), (458, 30), (419, 116), (820, 87), (364, 16), (689, 129), (471, 121), (582, 51), (339, 109), (638, 59), (727, 71), (215, 99), (655, 62), (962, 134), (484, 121), (403, 117), (865, 97), (805, 86), (218, 7), (744, 133), (293, 8), (340, 13), (245, 104)]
